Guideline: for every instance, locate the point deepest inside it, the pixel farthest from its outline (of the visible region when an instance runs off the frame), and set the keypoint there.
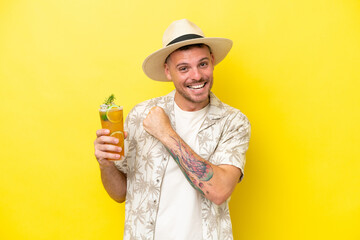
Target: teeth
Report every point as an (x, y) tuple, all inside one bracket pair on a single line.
[(197, 86)]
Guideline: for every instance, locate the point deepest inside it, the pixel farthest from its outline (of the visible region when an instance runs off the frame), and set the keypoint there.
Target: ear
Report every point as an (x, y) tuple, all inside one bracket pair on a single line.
[(167, 71)]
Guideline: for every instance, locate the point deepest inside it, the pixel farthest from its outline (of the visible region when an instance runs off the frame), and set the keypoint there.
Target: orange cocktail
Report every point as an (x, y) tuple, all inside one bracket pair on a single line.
[(111, 117)]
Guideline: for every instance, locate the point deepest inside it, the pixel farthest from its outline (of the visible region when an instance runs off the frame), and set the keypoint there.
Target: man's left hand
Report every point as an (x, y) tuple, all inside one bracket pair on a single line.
[(157, 123)]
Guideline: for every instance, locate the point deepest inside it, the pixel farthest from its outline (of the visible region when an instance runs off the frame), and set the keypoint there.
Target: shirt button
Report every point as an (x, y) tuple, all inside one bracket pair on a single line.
[(151, 223), (157, 180), (155, 201)]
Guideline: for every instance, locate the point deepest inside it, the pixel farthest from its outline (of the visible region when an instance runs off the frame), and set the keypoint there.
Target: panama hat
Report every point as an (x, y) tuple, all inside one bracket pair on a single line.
[(182, 33)]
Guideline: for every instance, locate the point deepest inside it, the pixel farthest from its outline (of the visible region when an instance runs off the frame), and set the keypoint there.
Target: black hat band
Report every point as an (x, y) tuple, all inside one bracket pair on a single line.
[(184, 38)]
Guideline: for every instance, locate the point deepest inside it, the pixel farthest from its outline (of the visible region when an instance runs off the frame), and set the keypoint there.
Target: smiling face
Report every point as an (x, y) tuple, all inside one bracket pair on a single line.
[(191, 71)]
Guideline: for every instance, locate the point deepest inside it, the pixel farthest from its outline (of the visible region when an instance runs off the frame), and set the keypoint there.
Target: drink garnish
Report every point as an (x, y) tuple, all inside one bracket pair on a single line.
[(111, 110), (113, 114), (106, 106), (110, 100)]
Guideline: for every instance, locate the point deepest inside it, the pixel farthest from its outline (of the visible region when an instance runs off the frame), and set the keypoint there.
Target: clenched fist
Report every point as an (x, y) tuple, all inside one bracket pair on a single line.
[(157, 123)]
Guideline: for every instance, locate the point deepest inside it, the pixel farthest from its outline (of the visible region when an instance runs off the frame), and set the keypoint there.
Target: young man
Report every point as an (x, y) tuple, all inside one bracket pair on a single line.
[(185, 152)]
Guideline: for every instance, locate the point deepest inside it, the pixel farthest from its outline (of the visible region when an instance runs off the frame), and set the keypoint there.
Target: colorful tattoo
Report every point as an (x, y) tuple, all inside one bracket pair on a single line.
[(195, 171)]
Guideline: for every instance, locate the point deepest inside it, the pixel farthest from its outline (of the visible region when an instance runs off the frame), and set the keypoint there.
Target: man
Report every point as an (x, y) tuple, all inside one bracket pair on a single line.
[(185, 152)]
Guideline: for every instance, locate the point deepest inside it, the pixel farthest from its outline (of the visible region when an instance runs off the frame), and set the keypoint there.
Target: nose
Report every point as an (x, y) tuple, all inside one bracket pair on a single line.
[(196, 74)]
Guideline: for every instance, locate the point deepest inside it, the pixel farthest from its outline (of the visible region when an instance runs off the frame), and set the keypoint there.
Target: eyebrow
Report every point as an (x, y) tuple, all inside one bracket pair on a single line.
[(183, 63)]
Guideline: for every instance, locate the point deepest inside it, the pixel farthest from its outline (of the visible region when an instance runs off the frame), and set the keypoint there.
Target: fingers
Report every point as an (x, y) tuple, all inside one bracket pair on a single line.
[(104, 148), (106, 132), (157, 123), (101, 155), (106, 140), (107, 151), (103, 137), (108, 148), (102, 132), (157, 109)]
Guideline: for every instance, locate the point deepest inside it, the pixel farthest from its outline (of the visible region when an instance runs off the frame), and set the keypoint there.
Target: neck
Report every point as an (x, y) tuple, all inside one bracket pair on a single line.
[(190, 106)]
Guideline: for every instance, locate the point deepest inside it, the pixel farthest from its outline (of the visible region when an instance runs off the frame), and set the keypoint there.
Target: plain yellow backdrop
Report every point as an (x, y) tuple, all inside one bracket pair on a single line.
[(293, 70)]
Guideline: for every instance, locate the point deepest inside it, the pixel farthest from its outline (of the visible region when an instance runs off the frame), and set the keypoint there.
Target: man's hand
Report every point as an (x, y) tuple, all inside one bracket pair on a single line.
[(114, 181), (104, 145), (157, 123)]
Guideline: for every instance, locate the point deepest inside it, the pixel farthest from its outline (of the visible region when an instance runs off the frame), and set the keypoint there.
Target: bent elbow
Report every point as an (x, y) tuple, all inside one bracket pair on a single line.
[(220, 199), (118, 199)]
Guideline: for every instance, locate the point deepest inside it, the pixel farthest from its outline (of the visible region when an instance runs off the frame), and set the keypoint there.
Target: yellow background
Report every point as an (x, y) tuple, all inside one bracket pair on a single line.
[(293, 70)]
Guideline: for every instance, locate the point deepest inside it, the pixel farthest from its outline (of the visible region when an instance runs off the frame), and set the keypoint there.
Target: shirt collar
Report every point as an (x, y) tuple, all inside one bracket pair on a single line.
[(216, 110)]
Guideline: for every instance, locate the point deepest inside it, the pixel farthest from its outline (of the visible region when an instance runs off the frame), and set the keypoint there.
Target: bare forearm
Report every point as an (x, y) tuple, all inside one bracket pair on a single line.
[(196, 171), (210, 180), (113, 181), (216, 183)]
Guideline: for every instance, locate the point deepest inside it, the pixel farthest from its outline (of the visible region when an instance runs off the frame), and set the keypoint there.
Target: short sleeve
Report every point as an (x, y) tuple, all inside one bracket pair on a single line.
[(233, 143)]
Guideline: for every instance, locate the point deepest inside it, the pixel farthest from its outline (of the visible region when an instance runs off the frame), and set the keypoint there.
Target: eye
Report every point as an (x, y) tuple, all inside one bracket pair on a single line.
[(183, 69), (203, 64)]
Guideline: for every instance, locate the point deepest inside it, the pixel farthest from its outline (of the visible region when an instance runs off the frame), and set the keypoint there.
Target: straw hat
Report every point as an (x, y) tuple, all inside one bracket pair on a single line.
[(181, 33)]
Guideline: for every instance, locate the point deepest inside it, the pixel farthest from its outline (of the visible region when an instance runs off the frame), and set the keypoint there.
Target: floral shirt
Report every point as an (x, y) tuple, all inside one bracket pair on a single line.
[(223, 139)]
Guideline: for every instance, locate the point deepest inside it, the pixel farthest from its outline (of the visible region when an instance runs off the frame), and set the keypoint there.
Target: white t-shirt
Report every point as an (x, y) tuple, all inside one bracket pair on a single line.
[(179, 215)]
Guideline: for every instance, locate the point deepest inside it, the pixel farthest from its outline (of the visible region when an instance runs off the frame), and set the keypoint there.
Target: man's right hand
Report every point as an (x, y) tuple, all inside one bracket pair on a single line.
[(104, 145), (114, 180)]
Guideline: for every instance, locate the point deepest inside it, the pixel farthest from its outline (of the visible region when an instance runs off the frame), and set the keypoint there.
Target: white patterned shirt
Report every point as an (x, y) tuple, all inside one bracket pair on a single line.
[(223, 139)]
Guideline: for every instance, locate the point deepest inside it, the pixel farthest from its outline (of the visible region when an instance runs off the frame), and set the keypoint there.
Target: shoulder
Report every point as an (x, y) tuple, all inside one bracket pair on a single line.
[(235, 115), (143, 107), (227, 113)]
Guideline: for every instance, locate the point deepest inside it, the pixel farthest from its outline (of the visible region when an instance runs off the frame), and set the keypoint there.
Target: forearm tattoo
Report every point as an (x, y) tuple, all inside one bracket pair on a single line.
[(196, 171)]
